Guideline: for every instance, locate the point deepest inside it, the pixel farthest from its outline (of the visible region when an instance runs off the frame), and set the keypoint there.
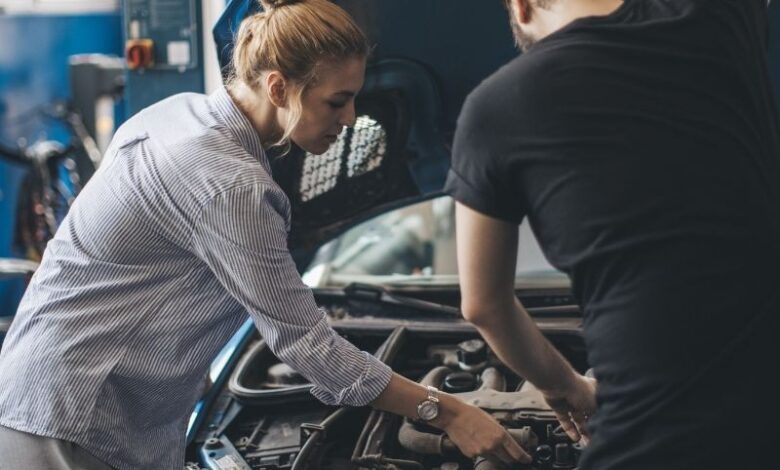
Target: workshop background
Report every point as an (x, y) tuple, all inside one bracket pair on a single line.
[(43, 45), (51, 118)]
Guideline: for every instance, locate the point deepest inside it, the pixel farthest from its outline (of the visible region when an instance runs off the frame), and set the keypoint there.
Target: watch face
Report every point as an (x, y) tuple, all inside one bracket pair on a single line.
[(428, 410)]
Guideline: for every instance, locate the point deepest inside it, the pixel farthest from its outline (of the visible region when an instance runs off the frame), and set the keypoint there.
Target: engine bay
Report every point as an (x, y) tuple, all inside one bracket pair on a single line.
[(266, 419)]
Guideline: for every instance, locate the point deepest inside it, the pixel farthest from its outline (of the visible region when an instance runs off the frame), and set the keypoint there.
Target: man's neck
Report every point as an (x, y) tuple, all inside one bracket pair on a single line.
[(563, 12)]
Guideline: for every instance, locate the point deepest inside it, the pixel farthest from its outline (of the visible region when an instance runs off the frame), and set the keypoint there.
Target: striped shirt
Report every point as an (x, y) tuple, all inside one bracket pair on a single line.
[(177, 236)]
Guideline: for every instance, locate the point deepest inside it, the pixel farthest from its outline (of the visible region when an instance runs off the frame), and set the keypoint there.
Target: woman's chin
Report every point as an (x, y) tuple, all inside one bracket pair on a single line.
[(316, 148)]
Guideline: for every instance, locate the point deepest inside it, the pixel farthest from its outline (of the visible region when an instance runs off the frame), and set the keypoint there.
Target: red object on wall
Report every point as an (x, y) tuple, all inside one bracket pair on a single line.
[(139, 53)]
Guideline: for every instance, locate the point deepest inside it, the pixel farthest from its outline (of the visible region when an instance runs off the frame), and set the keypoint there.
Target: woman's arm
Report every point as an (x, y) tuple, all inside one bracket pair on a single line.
[(241, 235)]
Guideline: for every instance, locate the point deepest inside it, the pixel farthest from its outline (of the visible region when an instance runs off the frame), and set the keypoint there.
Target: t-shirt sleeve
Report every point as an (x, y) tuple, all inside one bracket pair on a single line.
[(762, 11), (758, 15), (478, 177)]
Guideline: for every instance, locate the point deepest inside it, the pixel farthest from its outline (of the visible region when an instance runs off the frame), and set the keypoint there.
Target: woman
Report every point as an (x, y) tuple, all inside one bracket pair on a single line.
[(179, 233)]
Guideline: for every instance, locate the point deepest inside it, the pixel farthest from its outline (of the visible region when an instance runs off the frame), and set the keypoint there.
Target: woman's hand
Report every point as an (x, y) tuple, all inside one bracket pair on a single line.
[(574, 406), (476, 433)]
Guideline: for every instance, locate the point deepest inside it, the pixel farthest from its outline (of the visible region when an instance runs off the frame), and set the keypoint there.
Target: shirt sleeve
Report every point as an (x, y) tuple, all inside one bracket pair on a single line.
[(242, 237), (758, 17), (477, 177), (763, 13)]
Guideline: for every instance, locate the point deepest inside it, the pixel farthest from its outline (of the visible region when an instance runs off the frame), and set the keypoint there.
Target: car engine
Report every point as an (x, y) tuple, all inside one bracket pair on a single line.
[(269, 421)]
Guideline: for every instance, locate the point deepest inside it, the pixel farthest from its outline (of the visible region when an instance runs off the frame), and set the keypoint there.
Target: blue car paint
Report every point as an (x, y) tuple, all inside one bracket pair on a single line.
[(219, 372)]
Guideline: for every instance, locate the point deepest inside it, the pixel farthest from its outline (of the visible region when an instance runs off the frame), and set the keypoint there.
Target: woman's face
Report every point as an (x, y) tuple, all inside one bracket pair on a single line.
[(329, 105)]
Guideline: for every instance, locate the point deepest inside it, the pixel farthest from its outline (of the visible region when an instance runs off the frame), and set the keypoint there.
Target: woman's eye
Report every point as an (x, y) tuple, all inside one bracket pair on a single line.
[(335, 104)]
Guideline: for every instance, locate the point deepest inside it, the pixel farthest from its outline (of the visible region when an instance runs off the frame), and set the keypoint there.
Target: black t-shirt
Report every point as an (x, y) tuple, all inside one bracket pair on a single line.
[(643, 148)]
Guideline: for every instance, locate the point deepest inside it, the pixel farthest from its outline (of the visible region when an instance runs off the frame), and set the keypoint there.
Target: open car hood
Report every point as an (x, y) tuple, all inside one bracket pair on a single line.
[(416, 81)]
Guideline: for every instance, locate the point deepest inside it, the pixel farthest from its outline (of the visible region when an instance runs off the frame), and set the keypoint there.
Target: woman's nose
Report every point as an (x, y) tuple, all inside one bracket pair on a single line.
[(349, 116)]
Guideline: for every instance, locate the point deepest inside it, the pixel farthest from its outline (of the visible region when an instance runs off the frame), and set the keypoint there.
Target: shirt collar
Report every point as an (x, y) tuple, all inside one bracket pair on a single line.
[(238, 125)]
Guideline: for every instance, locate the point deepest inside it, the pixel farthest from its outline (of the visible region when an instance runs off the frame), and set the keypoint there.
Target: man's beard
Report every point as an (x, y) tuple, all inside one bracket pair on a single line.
[(523, 40)]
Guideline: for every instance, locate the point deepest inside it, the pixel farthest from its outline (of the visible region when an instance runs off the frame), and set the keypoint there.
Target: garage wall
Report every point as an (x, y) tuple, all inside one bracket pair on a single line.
[(36, 39)]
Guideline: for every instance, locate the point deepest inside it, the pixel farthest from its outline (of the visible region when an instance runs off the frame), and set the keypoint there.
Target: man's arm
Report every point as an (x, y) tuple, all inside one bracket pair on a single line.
[(487, 253)]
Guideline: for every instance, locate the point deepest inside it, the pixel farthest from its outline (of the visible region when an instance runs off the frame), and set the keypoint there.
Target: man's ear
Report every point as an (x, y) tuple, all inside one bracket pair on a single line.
[(276, 86), (522, 10)]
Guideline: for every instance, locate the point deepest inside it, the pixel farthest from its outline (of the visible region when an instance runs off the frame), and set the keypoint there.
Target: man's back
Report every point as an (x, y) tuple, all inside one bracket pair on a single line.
[(643, 147)]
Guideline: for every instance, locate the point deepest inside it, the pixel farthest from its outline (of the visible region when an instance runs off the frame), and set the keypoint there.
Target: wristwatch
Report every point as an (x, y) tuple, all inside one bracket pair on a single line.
[(428, 409)]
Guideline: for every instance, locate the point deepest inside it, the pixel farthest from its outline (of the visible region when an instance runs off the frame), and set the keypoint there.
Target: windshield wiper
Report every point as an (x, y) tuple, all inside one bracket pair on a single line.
[(378, 294)]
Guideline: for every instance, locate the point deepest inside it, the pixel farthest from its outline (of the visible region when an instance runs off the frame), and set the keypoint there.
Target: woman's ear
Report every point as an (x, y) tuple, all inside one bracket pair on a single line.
[(276, 86)]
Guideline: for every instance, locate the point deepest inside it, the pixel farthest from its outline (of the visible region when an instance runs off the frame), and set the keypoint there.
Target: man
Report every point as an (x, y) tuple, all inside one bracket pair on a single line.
[(640, 139)]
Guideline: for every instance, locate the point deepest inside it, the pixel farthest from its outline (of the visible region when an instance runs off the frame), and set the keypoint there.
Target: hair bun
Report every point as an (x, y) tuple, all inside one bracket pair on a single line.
[(271, 4)]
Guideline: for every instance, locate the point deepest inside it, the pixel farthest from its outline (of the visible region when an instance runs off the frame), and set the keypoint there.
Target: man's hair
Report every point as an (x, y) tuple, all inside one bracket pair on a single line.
[(539, 3)]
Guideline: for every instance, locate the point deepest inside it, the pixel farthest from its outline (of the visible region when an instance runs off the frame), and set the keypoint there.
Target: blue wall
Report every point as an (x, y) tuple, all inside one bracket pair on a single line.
[(34, 52)]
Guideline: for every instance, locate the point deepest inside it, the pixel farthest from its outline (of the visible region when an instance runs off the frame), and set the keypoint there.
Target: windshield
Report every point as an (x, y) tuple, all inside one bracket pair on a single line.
[(411, 245)]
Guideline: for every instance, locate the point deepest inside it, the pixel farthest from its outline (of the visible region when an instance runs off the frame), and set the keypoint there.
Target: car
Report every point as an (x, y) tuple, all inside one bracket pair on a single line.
[(373, 236)]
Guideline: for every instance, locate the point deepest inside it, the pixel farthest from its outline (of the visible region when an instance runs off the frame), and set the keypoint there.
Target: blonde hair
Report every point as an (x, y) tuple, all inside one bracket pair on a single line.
[(294, 37)]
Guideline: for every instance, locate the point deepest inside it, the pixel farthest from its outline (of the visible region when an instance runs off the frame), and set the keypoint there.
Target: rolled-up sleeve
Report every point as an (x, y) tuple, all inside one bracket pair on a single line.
[(242, 236), (478, 176)]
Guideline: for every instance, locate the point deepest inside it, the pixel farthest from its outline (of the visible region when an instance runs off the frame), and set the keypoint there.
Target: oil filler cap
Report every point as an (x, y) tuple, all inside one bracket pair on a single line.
[(472, 354)]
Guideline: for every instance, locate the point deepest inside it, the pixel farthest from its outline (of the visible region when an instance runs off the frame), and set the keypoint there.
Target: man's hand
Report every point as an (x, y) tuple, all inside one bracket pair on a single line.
[(477, 434), (487, 253), (574, 406)]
